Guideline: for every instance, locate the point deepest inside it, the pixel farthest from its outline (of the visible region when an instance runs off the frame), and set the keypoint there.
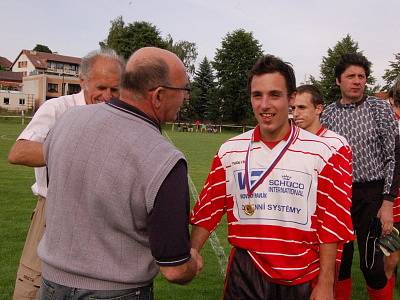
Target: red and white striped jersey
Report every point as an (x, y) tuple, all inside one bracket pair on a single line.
[(396, 209), (396, 203), (342, 148), (286, 215)]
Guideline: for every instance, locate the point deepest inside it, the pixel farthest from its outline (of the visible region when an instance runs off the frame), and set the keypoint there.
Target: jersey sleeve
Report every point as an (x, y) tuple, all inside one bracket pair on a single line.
[(345, 170), (333, 222), (211, 204)]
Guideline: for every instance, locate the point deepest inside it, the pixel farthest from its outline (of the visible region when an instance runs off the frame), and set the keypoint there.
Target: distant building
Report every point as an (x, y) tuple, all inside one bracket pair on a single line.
[(16, 101), (47, 75), (10, 80), (5, 63)]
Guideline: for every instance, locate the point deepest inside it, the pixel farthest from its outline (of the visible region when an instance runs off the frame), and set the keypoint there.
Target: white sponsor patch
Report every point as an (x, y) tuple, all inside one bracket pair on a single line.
[(283, 196)]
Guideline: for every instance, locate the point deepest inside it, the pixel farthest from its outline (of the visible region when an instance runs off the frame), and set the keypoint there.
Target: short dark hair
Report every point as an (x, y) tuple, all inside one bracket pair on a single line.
[(352, 59), (271, 64), (147, 74), (316, 96)]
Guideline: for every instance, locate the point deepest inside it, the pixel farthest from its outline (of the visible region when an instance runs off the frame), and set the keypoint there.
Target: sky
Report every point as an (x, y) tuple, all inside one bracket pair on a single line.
[(300, 32)]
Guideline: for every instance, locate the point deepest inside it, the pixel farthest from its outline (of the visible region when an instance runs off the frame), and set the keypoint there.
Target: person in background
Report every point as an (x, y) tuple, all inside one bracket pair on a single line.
[(369, 126), (100, 77), (392, 260), (307, 108)]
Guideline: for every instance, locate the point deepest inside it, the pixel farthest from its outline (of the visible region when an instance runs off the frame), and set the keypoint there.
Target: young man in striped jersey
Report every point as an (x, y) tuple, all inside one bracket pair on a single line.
[(278, 186), (307, 108), (370, 128)]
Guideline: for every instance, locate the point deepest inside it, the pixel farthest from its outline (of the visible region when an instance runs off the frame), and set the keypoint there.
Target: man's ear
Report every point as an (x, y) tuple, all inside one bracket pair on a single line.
[(337, 81), (82, 82), (292, 97), (157, 98), (319, 109)]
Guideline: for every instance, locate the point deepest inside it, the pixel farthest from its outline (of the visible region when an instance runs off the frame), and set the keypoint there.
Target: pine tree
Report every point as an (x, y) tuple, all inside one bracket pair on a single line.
[(202, 100)]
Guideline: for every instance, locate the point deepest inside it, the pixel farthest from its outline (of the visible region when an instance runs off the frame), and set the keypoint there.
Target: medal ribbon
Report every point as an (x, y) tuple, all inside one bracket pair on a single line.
[(274, 162)]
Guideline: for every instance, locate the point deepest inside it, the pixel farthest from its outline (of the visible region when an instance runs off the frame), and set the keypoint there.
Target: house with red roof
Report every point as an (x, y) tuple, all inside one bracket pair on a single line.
[(47, 75), (5, 64)]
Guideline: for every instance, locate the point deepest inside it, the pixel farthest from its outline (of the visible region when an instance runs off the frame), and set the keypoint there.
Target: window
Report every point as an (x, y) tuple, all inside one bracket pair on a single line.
[(73, 88), (52, 87), (21, 101), (6, 101), (22, 64)]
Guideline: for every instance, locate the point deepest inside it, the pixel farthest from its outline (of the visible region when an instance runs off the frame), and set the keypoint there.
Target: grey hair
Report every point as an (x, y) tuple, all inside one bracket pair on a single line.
[(89, 59)]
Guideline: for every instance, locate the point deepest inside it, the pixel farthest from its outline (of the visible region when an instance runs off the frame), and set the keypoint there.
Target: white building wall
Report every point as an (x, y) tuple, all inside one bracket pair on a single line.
[(29, 67), (13, 100)]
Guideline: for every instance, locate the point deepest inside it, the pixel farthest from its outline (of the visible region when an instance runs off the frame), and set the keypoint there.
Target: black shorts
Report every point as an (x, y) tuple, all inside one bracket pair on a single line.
[(244, 281)]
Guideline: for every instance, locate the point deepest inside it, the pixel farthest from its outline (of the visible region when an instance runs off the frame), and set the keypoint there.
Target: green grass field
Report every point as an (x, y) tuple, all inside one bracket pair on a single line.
[(17, 202)]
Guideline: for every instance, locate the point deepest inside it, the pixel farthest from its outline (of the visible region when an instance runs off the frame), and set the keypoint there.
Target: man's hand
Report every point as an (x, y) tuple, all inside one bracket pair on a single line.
[(198, 259), (322, 291), (385, 214), (324, 288), (183, 274)]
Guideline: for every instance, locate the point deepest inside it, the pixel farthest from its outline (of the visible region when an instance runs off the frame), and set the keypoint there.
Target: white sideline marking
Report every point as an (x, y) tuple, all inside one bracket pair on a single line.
[(214, 240)]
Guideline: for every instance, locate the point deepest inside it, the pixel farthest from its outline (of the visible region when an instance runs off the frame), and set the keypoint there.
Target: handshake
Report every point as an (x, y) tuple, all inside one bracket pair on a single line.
[(198, 259), (183, 274)]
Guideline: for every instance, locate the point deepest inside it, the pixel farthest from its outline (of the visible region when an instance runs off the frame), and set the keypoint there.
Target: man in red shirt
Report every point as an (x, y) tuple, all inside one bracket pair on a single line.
[(307, 108), (279, 188)]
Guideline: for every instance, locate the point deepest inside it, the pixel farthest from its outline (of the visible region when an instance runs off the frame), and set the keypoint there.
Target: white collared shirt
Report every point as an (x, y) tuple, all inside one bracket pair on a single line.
[(40, 125)]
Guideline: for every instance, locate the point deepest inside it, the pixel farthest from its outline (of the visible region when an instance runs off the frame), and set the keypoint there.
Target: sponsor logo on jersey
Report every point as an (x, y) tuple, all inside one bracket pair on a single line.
[(286, 186), (282, 196)]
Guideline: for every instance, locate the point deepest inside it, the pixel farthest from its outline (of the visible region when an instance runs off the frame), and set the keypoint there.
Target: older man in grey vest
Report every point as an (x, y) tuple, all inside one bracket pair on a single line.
[(119, 198)]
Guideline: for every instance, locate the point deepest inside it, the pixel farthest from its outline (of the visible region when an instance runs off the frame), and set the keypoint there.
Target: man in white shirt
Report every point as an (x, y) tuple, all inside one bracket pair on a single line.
[(100, 76)]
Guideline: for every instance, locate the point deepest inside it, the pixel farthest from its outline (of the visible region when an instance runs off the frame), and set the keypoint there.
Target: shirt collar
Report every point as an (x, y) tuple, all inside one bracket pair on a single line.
[(257, 135), (351, 105), (125, 107)]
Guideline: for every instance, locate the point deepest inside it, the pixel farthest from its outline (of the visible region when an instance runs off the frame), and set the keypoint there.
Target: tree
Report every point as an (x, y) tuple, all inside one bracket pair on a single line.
[(238, 53), (42, 48), (126, 39), (203, 100), (392, 72), (186, 51), (327, 84)]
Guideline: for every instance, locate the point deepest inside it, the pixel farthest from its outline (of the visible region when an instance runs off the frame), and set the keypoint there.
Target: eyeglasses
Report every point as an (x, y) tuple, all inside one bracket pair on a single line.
[(186, 89)]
